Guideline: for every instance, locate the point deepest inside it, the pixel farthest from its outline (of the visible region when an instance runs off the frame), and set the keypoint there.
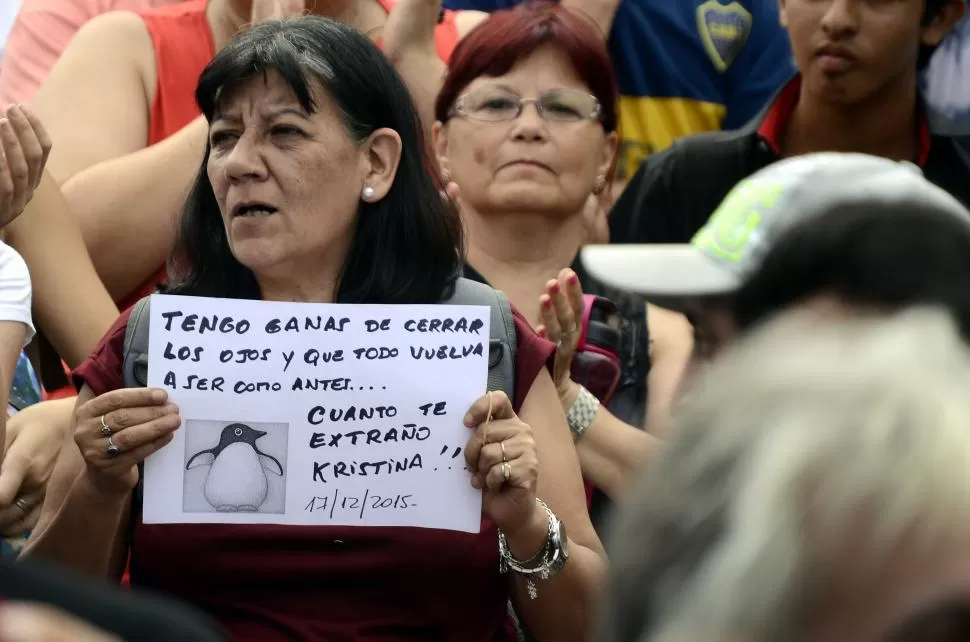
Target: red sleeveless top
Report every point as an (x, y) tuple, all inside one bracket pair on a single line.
[(328, 584), (184, 45)]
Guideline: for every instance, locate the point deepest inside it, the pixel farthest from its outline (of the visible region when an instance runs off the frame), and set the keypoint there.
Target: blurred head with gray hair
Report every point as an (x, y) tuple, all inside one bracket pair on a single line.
[(816, 489)]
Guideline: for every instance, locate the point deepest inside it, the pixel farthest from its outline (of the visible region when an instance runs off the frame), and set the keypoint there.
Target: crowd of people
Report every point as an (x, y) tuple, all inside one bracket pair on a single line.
[(734, 240)]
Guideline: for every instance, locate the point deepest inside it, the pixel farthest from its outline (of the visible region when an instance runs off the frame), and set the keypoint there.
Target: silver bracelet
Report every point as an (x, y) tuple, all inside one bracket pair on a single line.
[(582, 413), (550, 559)]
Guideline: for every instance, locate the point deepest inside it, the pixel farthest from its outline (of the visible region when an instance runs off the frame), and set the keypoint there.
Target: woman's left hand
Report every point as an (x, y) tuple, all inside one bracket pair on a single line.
[(502, 458), (561, 311)]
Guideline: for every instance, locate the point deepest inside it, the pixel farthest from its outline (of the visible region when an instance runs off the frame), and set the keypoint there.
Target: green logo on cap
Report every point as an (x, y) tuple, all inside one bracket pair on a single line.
[(739, 215)]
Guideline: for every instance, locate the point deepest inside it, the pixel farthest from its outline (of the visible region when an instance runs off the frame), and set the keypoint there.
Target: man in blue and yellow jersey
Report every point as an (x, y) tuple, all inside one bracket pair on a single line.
[(683, 66)]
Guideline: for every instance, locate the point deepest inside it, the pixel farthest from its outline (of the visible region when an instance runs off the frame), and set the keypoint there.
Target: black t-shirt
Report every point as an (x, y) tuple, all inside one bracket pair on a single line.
[(127, 613)]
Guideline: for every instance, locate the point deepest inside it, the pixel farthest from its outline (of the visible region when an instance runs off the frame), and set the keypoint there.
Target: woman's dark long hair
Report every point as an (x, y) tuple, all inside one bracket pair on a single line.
[(406, 247)]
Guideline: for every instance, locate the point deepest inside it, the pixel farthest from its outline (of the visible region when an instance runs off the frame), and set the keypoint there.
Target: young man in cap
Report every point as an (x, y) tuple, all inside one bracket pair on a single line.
[(828, 234), (856, 91)]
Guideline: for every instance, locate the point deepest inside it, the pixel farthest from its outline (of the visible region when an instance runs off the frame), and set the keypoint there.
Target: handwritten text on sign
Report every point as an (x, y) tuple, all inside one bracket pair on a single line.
[(312, 414)]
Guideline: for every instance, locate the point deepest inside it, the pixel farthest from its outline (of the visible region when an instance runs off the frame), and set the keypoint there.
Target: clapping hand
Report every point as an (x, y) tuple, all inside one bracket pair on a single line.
[(25, 146), (561, 311)]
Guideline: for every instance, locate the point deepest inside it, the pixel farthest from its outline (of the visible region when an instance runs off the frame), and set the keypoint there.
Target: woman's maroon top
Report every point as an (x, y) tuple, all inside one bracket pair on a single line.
[(330, 583)]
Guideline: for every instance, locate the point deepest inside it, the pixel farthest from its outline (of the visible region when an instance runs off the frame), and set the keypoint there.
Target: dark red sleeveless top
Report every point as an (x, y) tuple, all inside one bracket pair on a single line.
[(332, 584)]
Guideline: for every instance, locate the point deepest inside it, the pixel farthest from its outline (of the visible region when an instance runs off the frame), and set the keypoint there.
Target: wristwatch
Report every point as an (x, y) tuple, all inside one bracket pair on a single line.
[(547, 562), (558, 546)]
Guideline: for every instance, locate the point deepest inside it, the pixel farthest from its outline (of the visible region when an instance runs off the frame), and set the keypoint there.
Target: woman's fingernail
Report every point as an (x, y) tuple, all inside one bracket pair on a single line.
[(573, 279), (546, 302), (554, 288)]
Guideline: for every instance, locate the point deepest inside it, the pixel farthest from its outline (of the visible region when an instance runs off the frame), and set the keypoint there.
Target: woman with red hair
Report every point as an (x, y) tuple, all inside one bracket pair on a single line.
[(525, 131)]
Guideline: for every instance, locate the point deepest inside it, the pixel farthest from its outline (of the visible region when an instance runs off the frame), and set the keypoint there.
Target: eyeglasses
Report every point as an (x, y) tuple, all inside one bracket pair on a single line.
[(497, 105)]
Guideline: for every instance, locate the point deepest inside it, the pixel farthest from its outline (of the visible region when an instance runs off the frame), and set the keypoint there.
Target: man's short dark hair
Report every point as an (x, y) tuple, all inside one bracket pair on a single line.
[(932, 8), (888, 257)]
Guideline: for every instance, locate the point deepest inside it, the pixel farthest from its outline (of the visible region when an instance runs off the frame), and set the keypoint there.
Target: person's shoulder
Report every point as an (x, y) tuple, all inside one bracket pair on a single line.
[(681, 150), (948, 165), (119, 24), (120, 326), (113, 340), (675, 190), (530, 347), (532, 354), (103, 370), (115, 32)]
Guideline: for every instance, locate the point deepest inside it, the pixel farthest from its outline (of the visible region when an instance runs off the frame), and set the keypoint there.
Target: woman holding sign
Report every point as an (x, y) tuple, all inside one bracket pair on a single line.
[(314, 189)]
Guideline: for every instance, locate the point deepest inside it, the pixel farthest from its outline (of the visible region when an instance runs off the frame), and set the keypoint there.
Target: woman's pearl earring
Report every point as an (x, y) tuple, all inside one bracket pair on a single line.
[(368, 193)]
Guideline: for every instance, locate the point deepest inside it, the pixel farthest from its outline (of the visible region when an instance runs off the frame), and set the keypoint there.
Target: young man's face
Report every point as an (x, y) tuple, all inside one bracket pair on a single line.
[(850, 50)]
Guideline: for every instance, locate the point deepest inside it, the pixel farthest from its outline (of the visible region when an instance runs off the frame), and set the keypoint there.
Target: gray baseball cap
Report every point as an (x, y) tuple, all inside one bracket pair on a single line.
[(754, 215)]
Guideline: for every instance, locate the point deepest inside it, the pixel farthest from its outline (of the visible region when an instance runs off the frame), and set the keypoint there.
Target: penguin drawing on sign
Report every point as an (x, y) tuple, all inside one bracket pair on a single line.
[(237, 475)]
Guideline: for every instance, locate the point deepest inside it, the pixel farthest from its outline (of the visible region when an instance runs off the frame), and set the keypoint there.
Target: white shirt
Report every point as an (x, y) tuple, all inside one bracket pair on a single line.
[(15, 292)]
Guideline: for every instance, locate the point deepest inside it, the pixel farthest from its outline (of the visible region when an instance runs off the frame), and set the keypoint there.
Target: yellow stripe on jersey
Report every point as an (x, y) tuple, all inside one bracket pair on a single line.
[(648, 125)]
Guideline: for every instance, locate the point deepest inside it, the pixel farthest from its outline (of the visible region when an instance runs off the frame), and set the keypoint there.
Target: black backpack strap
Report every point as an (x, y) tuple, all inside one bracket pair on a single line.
[(135, 370), (135, 355), (502, 337)]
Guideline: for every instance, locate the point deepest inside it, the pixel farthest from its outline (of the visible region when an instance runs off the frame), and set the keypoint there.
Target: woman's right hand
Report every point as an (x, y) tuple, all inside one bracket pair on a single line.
[(136, 421), (24, 147)]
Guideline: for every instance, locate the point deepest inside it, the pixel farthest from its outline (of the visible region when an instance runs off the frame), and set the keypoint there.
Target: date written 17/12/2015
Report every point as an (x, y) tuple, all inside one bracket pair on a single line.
[(359, 504)]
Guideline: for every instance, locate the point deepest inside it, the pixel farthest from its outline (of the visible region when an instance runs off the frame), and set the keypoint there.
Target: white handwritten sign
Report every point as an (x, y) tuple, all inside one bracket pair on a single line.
[(312, 414)]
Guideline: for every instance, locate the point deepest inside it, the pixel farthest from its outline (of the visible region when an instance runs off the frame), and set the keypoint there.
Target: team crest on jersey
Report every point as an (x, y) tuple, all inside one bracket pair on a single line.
[(724, 29)]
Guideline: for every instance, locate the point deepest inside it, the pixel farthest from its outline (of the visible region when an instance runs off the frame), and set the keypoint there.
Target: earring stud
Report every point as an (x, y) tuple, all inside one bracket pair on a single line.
[(368, 193)]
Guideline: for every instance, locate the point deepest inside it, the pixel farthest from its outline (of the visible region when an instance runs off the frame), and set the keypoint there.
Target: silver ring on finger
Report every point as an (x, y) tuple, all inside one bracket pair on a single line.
[(105, 428), (21, 503), (112, 449), (506, 470), (505, 458), (569, 331)]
